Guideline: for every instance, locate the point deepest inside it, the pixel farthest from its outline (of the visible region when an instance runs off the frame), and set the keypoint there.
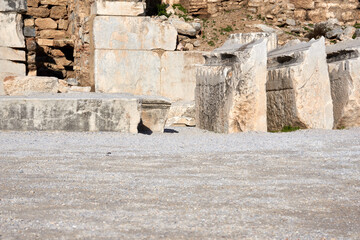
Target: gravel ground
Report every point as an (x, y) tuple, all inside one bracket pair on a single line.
[(184, 184)]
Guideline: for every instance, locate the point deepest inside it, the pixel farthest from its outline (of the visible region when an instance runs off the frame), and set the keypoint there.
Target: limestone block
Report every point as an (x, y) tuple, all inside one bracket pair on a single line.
[(154, 112), (12, 54), (344, 64), (183, 27), (298, 87), (45, 23), (13, 6), (11, 30), (79, 89), (136, 72), (178, 74), (243, 38), (25, 85), (70, 112), (111, 8), (230, 89), (182, 113), (12, 67), (130, 33)]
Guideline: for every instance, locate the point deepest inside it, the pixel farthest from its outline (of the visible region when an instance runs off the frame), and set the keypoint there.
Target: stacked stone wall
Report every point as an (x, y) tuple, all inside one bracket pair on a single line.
[(48, 41)]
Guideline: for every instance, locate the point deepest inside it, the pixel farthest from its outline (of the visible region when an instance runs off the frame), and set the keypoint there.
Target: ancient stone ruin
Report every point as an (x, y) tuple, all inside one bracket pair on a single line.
[(101, 65)]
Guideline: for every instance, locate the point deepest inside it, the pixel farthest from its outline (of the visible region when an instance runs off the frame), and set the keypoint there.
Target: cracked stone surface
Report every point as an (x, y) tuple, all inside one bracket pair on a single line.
[(183, 184)]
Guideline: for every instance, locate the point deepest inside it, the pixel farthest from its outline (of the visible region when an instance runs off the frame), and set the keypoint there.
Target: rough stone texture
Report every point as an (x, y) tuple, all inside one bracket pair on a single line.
[(230, 89), (182, 113), (11, 30), (243, 38), (137, 33), (116, 8), (45, 23), (344, 64), (178, 74), (298, 87), (25, 85), (136, 72), (70, 112), (13, 6), (12, 67), (7, 53), (154, 112)]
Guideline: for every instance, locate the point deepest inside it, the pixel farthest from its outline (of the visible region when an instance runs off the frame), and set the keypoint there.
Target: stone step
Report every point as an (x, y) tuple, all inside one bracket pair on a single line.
[(118, 8), (83, 112)]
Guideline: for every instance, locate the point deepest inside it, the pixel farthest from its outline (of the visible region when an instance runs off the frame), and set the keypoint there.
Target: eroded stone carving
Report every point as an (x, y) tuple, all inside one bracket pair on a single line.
[(230, 89)]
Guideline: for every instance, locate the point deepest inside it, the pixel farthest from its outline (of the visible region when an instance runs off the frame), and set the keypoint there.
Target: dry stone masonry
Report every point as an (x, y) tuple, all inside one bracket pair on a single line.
[(298, 87), (230, 89), (344, 69)]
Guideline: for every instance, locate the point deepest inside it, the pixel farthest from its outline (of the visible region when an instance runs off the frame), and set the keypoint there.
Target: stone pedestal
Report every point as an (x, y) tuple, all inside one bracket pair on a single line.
[(230, 89)]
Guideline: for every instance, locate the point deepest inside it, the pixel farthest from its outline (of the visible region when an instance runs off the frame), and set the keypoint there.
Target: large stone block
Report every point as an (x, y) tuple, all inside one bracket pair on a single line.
[(344, 70), (178, 74), (298, 87), (12, 67), (136, 72), (118, 8), (230, 89), (12, 54), (13, 6), (243, 38), (11, 30), (70, 112), (25, 85), (133, 33)]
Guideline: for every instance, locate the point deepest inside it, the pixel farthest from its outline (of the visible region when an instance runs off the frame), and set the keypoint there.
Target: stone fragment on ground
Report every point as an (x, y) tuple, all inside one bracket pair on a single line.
[(182, 113), (344, 70), (183, 27), (230, 91), (154, 111), (25, 85), (298, 87)]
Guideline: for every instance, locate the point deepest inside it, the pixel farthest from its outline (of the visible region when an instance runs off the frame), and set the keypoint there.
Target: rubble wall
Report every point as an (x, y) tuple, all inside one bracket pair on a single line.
[(303, 10)]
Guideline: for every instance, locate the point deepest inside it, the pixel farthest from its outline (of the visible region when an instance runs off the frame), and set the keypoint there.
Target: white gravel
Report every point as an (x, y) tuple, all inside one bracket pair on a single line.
[(190, 184)]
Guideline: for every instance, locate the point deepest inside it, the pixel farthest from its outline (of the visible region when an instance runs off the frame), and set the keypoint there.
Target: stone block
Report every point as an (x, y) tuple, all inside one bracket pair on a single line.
[(116, 8), (26, 85), (11, 30), (243, 38), (45, 23), (133, 33), (70, 112), (344, 64), (230, 91), (182, 113), (19, 6), (178, 74), (40, 12), (12, 67), (298, 87), (52, 34), (54, 2), (12, 54), (58, 12), (136, 72), (154, 112)]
